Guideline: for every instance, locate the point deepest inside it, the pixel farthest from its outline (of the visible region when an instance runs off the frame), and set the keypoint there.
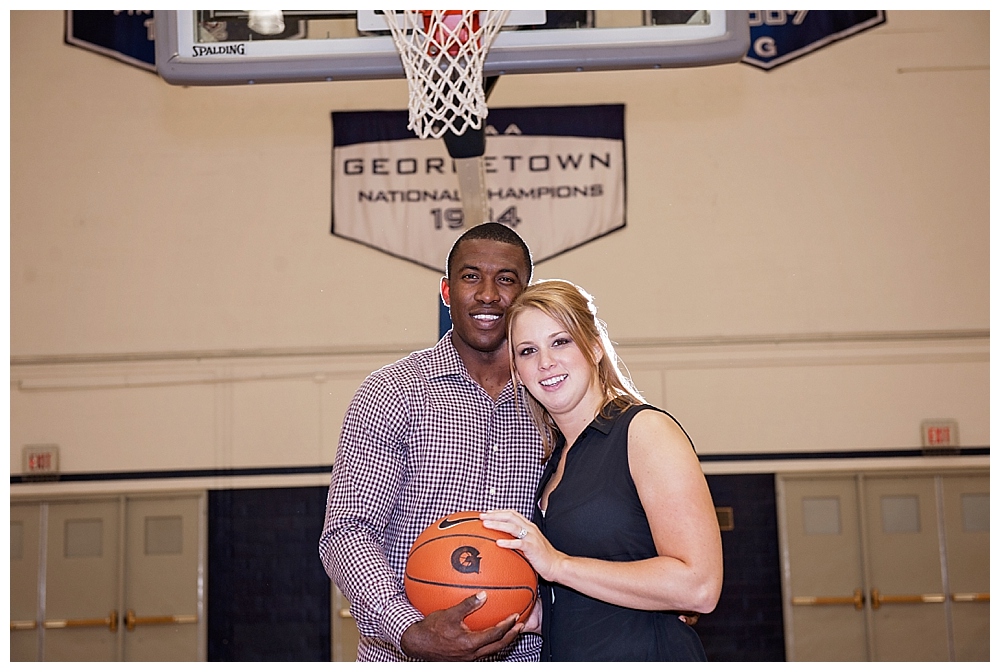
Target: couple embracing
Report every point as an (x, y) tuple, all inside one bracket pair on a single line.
[(523, 411)]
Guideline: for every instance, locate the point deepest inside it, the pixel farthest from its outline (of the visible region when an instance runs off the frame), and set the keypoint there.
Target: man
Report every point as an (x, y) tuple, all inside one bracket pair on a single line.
[(438, 431)]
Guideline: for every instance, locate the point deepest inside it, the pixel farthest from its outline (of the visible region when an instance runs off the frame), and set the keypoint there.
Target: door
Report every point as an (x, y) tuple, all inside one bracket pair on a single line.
[(163, 584), (81, 581), (344, 631), (24, 550), (967, 533), (824, 617), (906, 590)]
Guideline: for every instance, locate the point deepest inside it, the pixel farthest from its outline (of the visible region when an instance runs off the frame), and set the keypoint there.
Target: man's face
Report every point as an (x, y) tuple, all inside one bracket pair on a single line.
[(486, 276)]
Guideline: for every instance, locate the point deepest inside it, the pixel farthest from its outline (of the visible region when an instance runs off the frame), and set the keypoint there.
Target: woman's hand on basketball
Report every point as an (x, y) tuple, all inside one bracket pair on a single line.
[(527, 538)]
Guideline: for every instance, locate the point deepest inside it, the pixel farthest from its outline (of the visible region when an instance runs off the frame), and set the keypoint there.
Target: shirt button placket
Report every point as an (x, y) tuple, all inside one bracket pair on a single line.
[(493, 462)]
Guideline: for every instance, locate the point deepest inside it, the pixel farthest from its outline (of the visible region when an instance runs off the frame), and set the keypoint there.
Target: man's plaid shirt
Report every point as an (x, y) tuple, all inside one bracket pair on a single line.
[(421, 439)]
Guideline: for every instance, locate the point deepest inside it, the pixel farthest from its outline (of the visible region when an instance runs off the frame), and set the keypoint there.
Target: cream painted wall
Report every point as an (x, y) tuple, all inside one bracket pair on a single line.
[(161, 235)]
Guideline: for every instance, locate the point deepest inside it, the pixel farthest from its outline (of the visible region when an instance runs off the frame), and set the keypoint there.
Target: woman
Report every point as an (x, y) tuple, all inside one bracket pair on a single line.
[(624, 536)]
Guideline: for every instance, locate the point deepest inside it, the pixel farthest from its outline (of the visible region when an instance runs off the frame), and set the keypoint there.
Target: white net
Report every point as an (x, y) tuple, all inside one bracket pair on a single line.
[(443, 51)]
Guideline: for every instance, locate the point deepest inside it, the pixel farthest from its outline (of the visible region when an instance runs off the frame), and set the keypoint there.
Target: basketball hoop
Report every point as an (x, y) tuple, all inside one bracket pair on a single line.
[(443, 51)]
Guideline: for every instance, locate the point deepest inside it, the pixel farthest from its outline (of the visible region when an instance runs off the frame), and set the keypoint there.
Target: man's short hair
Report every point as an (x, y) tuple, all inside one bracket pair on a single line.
[(493, 231)]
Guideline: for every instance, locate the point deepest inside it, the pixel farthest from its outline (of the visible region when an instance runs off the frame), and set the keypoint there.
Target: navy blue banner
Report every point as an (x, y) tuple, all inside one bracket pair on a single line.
[(578, 121), (583, 121), (123, 34), (778, 36)]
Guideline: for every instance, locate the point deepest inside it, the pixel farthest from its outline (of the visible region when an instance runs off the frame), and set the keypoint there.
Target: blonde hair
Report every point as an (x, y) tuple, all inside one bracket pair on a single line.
[(573, 308)]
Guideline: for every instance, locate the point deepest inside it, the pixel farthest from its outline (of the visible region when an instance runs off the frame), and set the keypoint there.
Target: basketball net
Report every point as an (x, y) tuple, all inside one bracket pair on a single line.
[(443, 51)]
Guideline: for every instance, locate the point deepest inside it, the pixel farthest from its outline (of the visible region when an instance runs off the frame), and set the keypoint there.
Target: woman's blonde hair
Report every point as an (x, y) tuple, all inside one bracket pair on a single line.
[(573, 308)]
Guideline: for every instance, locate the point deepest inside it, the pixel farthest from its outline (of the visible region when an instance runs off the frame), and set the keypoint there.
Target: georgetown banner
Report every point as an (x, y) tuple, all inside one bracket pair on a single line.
[(778, 36), (556, 175)]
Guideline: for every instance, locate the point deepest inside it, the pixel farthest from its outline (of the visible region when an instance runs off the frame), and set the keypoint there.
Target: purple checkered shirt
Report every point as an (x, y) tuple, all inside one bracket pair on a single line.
[(421, 439)]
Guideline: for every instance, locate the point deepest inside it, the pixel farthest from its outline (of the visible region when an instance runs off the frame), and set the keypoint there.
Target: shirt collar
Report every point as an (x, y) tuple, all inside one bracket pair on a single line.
[(444, 361), (604, 424), (600, 423)]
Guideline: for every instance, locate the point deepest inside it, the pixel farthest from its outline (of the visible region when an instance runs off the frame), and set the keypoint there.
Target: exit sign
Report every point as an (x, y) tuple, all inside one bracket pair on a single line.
[(939, 433), (41, 460)]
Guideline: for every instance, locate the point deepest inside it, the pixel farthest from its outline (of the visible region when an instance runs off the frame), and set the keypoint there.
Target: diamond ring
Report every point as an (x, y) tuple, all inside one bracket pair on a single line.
[(522, 534)]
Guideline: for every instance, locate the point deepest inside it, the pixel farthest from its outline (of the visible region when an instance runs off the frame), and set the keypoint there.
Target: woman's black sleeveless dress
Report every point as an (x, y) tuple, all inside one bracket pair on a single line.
[(595, 512)]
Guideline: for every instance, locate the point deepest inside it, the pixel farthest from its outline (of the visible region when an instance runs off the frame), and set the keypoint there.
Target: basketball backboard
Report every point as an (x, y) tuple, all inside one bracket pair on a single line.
[(217, 47)]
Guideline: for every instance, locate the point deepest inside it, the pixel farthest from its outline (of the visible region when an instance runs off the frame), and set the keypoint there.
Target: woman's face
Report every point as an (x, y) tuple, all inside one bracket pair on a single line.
[(553, 367)]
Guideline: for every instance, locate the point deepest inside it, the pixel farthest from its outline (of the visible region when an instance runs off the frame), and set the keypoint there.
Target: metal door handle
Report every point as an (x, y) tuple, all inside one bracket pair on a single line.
[(23, 625), (858, 600), (131, 620), (879, 599), (345, 613), (111, 622), (970, 597)]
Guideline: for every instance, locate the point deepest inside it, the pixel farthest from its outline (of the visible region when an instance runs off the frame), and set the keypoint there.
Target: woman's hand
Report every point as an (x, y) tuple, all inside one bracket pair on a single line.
[(534, 622), (527, 538)]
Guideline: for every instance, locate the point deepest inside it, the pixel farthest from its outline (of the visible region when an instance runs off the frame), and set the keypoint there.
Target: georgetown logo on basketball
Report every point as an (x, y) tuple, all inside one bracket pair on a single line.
[(466, 559)]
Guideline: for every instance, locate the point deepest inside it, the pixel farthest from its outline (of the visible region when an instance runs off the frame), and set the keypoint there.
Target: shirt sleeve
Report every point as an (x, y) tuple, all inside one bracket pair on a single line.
[(365, 483)]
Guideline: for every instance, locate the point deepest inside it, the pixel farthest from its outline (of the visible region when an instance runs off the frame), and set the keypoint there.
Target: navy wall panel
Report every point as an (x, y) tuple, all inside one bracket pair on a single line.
[(268, 595), (747, 625), (269, 598)]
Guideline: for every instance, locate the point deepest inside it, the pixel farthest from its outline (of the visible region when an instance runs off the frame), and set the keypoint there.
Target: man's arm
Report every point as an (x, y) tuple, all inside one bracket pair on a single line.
[(366, 479), (365, 485)]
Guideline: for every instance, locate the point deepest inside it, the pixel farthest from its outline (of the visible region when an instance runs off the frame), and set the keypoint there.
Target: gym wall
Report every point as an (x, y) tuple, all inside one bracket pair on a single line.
[(805, 265)]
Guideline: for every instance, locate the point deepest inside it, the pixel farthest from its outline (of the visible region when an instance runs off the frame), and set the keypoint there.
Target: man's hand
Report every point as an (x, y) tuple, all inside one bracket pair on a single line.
[(689, 617), (443, 635)]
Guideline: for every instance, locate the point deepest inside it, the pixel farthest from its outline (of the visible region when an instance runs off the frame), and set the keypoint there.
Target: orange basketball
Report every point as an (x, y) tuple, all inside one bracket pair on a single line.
[(456, 557)]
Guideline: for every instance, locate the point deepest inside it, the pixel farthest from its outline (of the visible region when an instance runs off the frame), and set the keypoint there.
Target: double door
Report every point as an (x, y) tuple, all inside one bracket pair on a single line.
[(886, 567), (108, 579)]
